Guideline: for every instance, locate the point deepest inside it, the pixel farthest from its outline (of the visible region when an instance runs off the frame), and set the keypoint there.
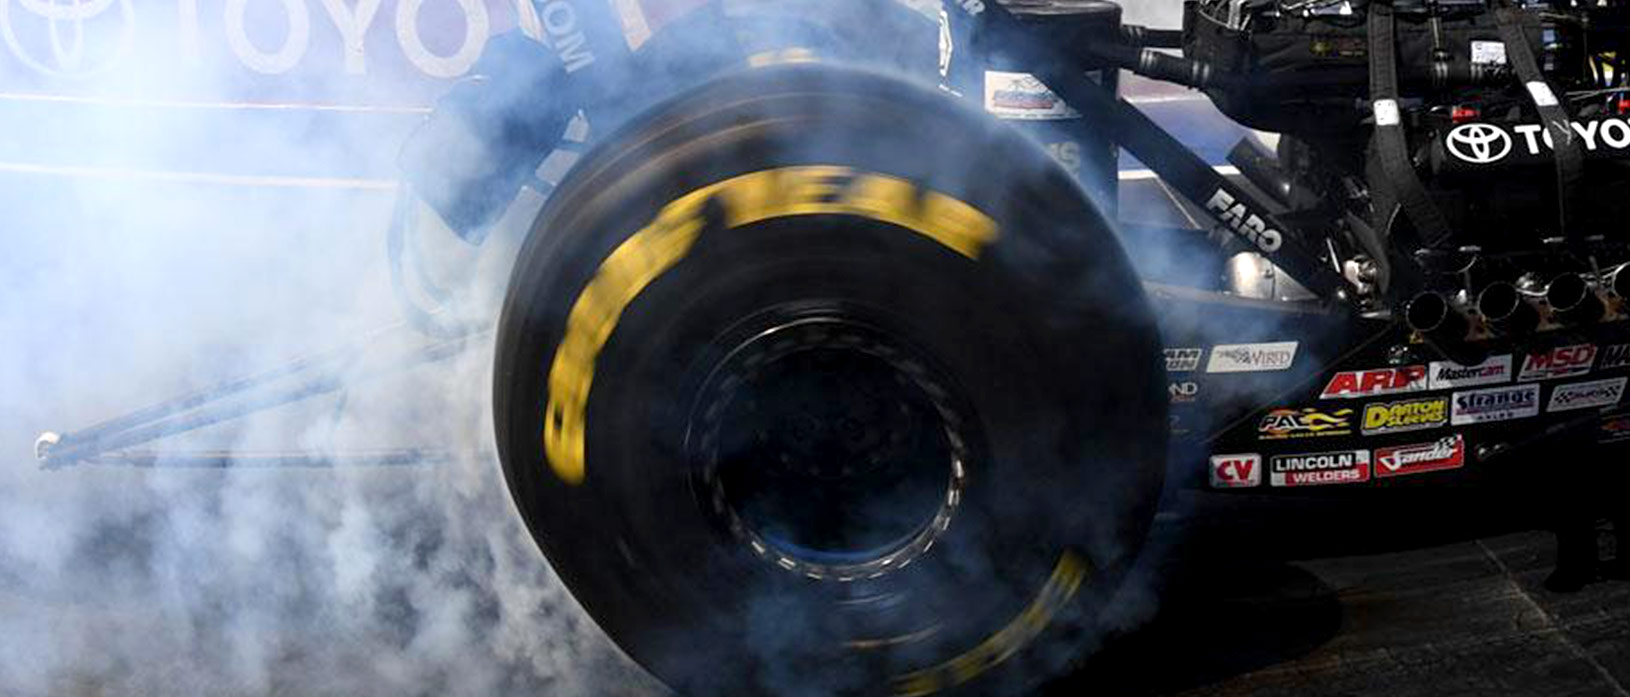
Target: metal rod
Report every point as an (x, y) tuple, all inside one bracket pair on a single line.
[(218, 391), (226, 459), (210, 412)]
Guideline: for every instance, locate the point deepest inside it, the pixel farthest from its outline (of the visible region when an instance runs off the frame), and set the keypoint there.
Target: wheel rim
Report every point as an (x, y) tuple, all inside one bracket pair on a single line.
[(829, 448)]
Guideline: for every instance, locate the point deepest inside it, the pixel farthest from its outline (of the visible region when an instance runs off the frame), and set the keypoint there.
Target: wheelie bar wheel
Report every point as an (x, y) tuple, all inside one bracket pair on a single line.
[(816, 382)]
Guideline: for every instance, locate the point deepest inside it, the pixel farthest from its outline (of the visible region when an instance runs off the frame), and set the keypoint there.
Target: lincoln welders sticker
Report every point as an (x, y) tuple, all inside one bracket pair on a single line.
[(1318, 469)]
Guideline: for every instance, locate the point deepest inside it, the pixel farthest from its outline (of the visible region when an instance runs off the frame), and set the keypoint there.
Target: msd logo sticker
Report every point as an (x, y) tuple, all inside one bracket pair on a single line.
[(1371, 383), (1447, 374), (1343, 467), (1563, 362), (1251, 358), (1444, 454), (1183, 360), (1585, 395), (1236, 471), (1497, 404)]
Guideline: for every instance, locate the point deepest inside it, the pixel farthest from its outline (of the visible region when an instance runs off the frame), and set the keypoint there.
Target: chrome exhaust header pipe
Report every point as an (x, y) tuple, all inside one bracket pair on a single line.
[(1445, 327), (1573, 300), (1505, 308)]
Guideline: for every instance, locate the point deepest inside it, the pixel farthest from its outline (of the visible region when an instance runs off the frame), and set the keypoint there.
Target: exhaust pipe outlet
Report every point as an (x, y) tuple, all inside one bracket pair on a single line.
[(1506, 309), (1619, 283), (1573, 301), (1444, 327)]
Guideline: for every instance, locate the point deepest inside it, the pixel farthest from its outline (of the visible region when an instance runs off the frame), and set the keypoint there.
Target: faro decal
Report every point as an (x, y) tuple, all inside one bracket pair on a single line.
[(1243, 222), (747, 199)]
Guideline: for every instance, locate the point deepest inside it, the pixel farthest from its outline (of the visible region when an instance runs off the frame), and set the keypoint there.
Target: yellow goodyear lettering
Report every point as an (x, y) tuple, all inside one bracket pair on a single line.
[(746, 199), (1060, 588)]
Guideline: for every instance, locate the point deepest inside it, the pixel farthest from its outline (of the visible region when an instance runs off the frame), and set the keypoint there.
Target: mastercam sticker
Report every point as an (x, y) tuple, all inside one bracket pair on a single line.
[(1251, 358), (1494, 370), (1495, 404)]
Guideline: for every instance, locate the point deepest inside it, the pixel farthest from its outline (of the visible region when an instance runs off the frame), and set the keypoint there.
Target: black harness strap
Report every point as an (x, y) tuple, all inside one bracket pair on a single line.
[(1395, 176), (1565, 147)]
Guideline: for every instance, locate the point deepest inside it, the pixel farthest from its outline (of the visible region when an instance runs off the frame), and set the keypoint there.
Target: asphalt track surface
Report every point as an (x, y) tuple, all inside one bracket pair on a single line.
[(1398, 598)]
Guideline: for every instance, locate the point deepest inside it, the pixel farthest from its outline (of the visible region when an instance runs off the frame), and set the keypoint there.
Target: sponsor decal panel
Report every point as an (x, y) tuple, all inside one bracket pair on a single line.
[(1495, 404), (1281, 424), (1251, 358), (1446, 453), (1446, 374), (1319, 469), (1374, 383), (1236, 471), (1614, 357), (1407, 415), (1488, 143), (1232, 212), (1563, 362), (1586, 395), (1183, 392), (1021, 96), (1614, 428), (1183, 360)]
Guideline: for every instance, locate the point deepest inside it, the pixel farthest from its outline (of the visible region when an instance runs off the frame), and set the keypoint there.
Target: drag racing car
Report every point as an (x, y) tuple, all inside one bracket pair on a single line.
[(828, 367)]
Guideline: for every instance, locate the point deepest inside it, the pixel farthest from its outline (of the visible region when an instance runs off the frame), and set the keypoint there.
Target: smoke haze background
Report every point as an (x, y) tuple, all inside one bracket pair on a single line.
[(158, 237)]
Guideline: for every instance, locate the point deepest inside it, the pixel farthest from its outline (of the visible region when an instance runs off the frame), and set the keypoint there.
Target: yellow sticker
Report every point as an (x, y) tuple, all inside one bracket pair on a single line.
[(746, 199)]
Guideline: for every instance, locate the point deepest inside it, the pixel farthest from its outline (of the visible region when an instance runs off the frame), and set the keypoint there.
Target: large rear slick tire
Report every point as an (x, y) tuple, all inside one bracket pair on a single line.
[(815, 382)]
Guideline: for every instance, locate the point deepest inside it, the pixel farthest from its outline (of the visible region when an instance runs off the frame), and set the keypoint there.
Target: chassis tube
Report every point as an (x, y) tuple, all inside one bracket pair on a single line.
[(1234, 207)]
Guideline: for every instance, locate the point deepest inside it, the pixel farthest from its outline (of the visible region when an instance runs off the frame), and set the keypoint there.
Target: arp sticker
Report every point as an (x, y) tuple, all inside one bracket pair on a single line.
[(1320, 469), (1281, 424), (1561, 362), (1406, 415), (1445, 453), (1353, 384), (1236, 471), (1587, 395), (1442, 375), (1251, 358), (1495, 404)]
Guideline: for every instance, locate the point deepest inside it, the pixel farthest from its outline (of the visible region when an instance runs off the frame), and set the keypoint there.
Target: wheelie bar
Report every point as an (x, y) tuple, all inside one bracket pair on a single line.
[(1244, 213), (308, 377)]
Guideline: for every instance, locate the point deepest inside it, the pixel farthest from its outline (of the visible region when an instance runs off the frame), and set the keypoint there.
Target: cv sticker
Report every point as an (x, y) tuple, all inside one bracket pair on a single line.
[(1236, 471)]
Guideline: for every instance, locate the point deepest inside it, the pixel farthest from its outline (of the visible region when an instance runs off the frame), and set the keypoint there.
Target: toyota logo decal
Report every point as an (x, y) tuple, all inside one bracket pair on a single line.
[(1479, 143)]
